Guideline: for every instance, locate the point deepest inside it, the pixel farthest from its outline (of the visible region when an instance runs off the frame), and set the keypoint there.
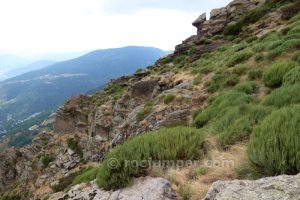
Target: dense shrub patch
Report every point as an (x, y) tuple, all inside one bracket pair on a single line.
[(237, 123), (220, 104), (179, 143), (274, 144), (254, 74), (292, 77), (249, 87), (273, 76), (283, 96), (296, 57), (220, 80), (238, 58)]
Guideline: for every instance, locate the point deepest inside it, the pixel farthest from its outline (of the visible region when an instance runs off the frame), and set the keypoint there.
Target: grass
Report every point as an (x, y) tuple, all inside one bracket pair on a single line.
[(274, 144), (179, 143), (283, 96), (273, 76)]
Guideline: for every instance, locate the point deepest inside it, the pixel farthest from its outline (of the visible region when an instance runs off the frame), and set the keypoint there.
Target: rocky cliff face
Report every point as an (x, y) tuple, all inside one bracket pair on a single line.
[(164, 95), (219, 19)]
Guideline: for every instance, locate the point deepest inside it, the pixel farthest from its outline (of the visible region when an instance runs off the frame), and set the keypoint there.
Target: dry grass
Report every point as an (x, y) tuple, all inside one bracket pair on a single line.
[(221, 166)]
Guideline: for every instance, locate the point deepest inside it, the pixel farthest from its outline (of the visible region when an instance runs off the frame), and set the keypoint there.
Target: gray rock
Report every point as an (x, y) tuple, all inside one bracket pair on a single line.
[(200, 20), (147, 188), (271, 188)]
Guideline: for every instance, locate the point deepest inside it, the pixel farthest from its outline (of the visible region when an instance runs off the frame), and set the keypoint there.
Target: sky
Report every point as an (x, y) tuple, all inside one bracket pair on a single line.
[(34, 27)]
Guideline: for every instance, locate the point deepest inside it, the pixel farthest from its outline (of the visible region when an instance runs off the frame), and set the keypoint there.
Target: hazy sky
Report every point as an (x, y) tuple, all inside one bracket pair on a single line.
[(31, 27)]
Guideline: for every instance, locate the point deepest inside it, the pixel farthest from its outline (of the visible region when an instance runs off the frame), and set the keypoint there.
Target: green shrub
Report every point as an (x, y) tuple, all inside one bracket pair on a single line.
[(237, 123), (274, 144), (116, 91), (239, 70), (185, 192), (66, 182), (251, 39), (179, 143), (254, 74), (11, 197), (169, 98), (292, 77), (232, 80), (296, 57), (273, 76), (294, 30), (146, 111), (220, 104), (85, 176), (180, 59), (238, 58), (259, 57), (47, 159), (249, 87), (240, 47), (74, 145), (283, 96), (220, 80)]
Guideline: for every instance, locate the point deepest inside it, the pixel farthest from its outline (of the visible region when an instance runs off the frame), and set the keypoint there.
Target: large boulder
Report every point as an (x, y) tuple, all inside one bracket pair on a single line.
[(147, 188), (280, 187)]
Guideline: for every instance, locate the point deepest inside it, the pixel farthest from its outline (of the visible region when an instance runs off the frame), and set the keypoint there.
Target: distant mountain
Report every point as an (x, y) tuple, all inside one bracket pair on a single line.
[(59, 57), (10, 62), (45, 89), (31, 67)]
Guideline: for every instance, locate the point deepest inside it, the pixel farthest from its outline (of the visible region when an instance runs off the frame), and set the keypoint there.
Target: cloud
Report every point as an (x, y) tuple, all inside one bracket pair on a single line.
[(182, 5)]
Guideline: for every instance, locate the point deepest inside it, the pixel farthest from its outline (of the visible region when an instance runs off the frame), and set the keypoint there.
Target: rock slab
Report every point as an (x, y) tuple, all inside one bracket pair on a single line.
[(280, 187), (147, 188)]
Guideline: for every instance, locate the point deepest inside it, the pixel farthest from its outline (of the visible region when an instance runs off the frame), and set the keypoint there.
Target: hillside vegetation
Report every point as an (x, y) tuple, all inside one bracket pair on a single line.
[(229, 101), (254, 96)]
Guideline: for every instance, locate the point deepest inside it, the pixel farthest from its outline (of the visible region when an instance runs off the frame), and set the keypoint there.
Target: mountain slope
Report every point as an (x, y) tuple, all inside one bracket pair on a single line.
[(44, 89), (224, 106)]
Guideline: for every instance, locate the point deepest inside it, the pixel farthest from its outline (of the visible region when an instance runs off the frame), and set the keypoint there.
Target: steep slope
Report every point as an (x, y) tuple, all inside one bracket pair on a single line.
[(224, 106), (43, 90)]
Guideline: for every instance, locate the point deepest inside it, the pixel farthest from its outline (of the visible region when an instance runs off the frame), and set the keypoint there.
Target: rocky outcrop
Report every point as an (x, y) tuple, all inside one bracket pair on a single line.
[(147, 188), (280, 187), (219, 19)]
